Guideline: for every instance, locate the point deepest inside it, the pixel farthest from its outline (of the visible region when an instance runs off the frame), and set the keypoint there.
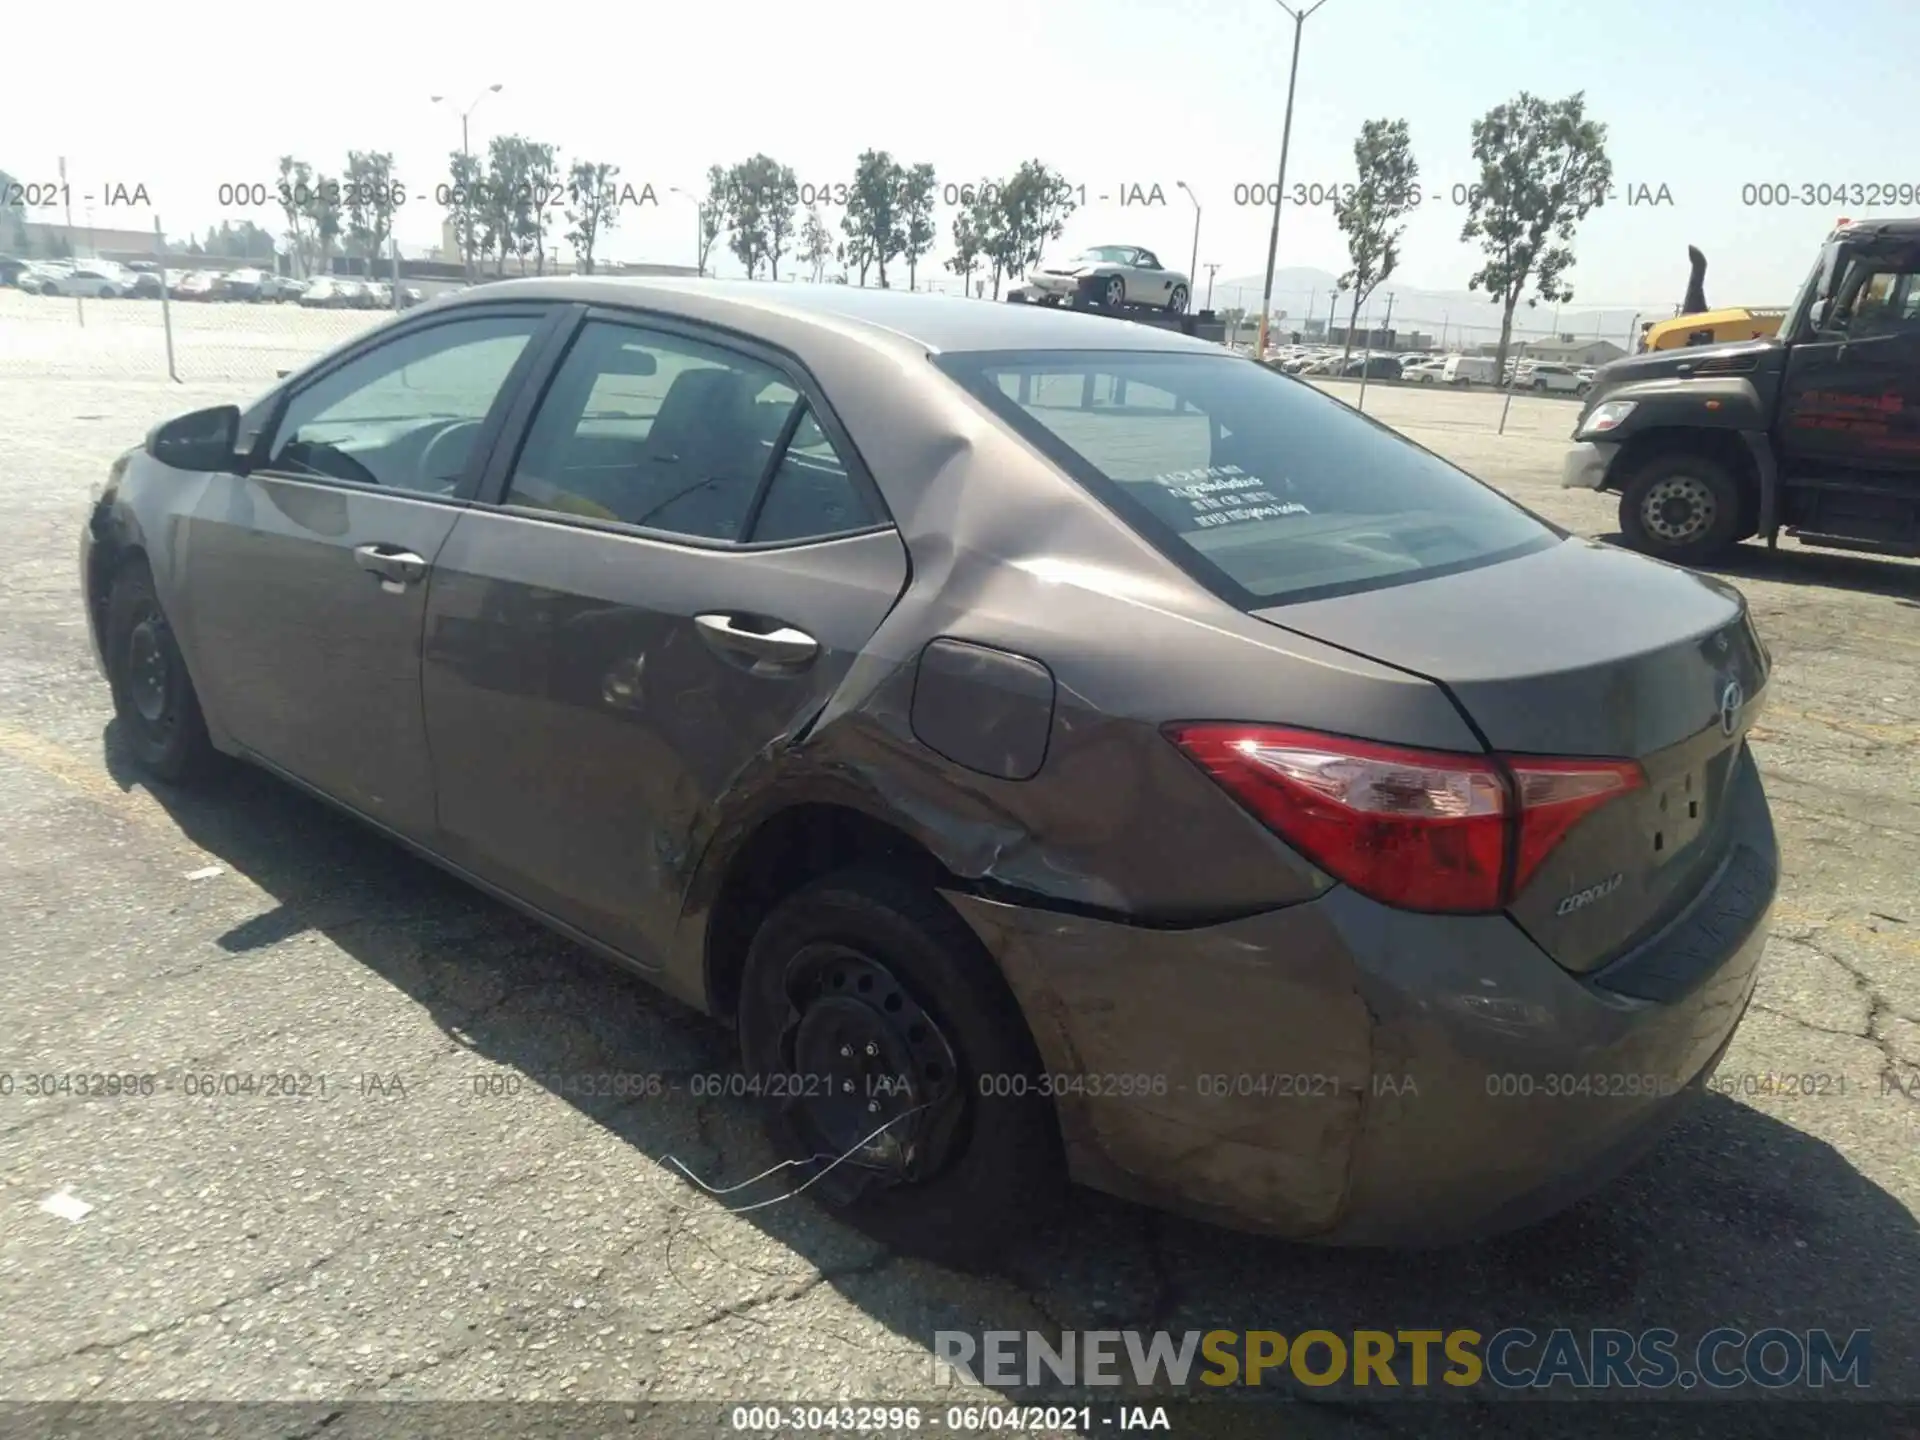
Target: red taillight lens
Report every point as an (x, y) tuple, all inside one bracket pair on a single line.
[(1417, 829), (1554, 795), (1420, 829)]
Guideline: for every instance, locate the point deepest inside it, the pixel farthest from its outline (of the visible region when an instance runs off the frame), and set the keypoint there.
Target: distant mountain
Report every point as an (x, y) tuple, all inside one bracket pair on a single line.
[(1468, 318)]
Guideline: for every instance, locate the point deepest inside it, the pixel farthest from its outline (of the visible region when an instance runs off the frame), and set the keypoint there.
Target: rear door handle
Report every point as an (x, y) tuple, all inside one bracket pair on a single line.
[(782, 645), (396, 568)]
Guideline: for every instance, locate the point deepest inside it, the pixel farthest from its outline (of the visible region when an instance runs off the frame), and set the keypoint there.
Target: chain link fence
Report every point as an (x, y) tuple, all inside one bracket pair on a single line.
[(52, 336)]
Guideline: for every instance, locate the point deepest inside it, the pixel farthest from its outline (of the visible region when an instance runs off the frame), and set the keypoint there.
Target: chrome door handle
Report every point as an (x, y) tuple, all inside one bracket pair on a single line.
[(783, 645), (393, 565)]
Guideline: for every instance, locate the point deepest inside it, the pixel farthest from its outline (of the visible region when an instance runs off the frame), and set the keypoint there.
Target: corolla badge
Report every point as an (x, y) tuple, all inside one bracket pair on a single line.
[(1731, 699), (1580, 899)]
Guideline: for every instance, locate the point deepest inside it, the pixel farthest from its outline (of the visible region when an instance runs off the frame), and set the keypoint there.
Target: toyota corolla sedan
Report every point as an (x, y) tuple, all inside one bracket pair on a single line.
[(1061, 749)]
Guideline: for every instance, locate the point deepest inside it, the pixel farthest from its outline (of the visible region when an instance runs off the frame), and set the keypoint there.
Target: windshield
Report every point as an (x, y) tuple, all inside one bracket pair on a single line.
[(1105, 254), (1260, 486)]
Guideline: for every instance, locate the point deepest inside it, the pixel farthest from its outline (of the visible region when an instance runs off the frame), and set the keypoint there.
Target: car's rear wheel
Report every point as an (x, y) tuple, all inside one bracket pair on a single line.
[(1177, 301), (1114, 292), (153, 696), (898, 1067), (1682, 507)]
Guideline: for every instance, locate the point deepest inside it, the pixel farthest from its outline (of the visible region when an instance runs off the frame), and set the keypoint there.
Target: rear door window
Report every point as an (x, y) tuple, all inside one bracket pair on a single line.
[(1261, 486)]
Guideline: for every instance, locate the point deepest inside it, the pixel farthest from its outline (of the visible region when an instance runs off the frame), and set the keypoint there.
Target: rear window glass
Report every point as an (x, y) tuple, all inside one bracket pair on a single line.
[(1260, 485)]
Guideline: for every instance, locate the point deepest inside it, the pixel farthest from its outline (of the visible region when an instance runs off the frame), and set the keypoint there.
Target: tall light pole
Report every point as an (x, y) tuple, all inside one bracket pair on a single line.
[(1193, 264), (1213, 268), (1280, 185), (700, 226), (467, 152)]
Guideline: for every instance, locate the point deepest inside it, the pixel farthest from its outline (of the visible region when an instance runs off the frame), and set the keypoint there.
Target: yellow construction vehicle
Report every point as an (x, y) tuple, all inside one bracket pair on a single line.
[(1697, 325)]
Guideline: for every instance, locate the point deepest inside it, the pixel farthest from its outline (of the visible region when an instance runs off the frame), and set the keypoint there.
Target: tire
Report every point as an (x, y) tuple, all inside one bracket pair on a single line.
[(1113, 294), (1682, 507), (993, 1168), (1177, 301), (153, 696)]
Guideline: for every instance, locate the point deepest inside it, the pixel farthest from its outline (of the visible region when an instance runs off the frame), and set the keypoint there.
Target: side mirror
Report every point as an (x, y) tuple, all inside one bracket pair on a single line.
[(202, 440)]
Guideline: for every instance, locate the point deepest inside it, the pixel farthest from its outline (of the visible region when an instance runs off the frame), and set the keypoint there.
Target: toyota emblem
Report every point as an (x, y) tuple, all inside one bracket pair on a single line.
[(1731, 699)]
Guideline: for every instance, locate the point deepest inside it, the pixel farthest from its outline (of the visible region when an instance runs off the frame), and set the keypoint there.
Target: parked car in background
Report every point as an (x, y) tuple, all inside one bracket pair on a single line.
[(1561, 378), (1425, 372), (1390, 778), (1112, 276), (12, 267), (1374, 367), (246, 283), (323, 292), (1469, 370), (144, 285), (379, 295), (91, 279), (35, 274), (195, 285)]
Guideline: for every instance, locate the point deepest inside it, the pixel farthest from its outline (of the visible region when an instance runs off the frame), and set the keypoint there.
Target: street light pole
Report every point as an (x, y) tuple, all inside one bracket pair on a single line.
[(1193, 264), (466, 152), (1280, 185), (1213, 268)]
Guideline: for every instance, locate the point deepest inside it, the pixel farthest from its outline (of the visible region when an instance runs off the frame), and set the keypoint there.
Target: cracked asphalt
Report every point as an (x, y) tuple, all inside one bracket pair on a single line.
[(475, 1208)]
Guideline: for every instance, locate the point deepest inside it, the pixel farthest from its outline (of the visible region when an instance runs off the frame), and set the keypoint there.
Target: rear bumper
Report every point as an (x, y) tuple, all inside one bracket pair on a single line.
[(1341, 1072), (1586, 464)]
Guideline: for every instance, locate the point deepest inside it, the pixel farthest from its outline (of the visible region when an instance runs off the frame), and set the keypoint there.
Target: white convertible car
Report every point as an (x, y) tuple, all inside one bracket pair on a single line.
[(1112, 276)]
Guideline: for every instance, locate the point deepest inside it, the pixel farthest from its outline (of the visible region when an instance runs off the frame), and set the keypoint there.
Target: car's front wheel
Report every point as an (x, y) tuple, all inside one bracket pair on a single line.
[(897, 1066), (1114, 293), (153, 696), (1682, 507)]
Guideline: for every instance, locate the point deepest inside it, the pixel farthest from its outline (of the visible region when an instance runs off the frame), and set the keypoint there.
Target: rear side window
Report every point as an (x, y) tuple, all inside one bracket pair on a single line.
[(1262, 487)]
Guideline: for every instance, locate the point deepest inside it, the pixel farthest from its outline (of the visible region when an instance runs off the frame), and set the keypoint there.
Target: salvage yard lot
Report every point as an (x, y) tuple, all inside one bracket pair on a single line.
[(467, 1213)]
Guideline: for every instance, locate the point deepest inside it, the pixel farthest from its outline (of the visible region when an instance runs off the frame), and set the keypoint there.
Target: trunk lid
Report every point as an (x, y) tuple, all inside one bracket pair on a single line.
[(1583, 650)]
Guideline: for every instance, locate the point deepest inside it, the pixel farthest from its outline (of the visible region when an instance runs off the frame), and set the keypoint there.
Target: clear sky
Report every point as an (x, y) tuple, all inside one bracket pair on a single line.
[(1703, 97)]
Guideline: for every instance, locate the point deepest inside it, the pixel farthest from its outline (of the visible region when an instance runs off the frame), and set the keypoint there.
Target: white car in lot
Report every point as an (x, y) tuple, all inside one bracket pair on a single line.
[(1563, 379), (1425, 372), (94, 279), (1111, 276)]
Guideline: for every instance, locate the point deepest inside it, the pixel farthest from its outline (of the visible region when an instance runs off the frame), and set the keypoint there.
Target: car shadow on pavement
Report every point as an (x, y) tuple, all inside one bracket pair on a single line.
[(1738, 1219), (1830, 569)]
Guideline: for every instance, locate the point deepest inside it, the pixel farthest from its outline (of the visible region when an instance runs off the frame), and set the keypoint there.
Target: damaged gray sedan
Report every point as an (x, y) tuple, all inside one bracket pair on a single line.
[(1062, 749)]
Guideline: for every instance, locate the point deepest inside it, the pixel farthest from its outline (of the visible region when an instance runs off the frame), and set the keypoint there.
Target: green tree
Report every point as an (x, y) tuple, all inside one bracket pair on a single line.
[(875, 222), (324, 219), (506, 195), (1543, 167), (296, 179), (744, 236), (816, 244), (591, 208), (466, 194), (917, 229), (1033, 209), (969, 245), (544, 188), (1386, 190), (368, 203), (713, 215)]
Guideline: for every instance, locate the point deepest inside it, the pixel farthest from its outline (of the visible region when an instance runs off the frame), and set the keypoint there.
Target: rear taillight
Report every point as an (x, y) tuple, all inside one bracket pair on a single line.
[(1417, 829)]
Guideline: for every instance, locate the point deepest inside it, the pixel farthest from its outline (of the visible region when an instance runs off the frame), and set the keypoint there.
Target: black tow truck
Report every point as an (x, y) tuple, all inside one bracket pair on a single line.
[(1814, 431)]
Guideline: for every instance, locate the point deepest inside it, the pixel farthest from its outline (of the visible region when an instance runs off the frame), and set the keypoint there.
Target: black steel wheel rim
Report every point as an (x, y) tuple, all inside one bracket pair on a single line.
[(149, 671), (874, 1084)]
